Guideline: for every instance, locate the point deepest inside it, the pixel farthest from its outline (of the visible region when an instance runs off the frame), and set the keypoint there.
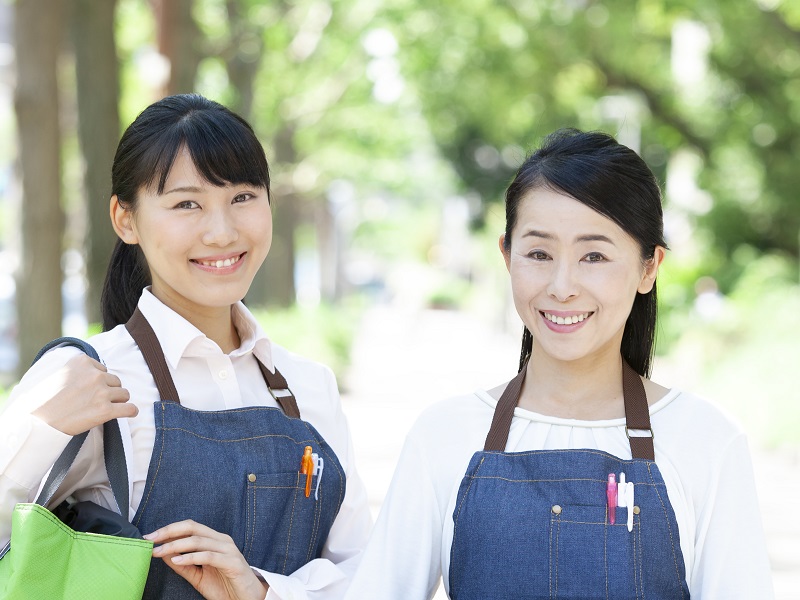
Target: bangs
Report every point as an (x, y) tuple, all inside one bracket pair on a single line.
[(223, 150)]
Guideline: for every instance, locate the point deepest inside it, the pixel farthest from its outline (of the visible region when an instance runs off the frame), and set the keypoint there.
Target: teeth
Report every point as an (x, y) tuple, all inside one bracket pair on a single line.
[(219, 263), (566, 320)]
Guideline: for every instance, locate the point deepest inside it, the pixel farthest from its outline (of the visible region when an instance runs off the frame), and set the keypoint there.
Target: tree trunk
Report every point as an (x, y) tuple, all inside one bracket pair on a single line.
[(98, 131), (274, 282), (37, 28), (243, 57), (179, 41)]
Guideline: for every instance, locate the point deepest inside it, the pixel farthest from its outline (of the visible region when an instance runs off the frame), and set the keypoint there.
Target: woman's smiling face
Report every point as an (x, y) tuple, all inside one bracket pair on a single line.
[(203, 243), (574, 276)]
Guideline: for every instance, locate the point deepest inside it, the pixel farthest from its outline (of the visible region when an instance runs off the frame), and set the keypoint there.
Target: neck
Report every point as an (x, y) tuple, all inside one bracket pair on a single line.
[(217, 325), (586, 389)]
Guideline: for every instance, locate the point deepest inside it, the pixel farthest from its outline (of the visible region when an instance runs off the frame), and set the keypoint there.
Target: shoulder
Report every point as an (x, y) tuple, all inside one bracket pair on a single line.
[(456, 425), (299, 370), (692, 415)]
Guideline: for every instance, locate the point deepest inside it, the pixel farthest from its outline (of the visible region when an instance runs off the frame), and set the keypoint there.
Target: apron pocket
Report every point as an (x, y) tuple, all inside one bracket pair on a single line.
[(589, 557), (282, 524)]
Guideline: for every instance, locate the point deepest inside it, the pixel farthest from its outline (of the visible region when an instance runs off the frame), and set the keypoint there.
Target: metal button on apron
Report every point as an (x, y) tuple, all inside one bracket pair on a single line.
[(636, 510), (556, 509), (251, 477)]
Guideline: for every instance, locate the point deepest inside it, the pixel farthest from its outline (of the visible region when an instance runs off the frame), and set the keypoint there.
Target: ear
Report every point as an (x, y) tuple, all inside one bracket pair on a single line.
[(122, 221), (651, 270), (506, 254)]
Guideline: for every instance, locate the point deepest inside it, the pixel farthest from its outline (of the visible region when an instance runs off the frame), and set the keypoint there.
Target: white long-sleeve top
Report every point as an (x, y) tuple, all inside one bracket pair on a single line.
[(702, 455), (206, 379)]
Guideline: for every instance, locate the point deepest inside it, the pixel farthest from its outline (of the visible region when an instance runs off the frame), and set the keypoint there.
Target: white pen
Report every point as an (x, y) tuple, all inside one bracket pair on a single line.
[(621, 491), (319, 464), (629, 501)]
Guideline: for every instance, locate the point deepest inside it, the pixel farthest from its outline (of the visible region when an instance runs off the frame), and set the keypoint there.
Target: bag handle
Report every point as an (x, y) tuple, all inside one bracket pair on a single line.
[(113, 450)]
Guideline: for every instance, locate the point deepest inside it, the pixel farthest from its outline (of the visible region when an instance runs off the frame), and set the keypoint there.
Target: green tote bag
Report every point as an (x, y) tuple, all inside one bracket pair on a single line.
[(96, 554)]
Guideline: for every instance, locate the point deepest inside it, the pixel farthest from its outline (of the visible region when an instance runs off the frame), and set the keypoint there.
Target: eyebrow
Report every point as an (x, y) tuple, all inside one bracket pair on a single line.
[(188, 188), (589, 237)]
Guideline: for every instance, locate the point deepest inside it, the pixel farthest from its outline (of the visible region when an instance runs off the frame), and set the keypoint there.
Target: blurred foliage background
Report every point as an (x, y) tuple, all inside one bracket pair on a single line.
[(392, 128)]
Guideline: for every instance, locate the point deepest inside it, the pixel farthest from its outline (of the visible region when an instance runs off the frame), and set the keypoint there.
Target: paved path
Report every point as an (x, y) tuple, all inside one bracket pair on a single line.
[(405, 360)]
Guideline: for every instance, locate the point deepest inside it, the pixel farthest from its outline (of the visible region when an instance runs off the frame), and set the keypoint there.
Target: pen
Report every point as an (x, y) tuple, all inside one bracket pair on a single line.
[(611, 494), (629, 500), (307, 467), (319, 464)]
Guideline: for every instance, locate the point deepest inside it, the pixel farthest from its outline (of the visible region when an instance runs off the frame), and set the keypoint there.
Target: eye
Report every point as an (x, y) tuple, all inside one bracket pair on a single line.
[(187, 204), (594, 257), (244, 196), (538, 255)]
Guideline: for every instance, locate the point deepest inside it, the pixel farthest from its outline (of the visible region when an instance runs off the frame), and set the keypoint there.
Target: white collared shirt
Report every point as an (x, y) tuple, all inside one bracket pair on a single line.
[(206, 379)]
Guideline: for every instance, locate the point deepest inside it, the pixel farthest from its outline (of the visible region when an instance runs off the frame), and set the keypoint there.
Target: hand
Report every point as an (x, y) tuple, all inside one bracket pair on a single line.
[(81, 395), (208, 560)]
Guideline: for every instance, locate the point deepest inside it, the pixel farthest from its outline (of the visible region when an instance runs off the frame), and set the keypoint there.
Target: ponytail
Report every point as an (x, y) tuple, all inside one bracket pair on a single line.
[(126, 277)]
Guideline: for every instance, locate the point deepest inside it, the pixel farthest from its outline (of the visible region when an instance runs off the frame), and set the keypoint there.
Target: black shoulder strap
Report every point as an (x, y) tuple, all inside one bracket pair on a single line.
[(113, 450)]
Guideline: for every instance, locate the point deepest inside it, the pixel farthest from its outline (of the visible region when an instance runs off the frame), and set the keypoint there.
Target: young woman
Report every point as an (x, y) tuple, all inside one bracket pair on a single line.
[(215, 417), (580, 478)]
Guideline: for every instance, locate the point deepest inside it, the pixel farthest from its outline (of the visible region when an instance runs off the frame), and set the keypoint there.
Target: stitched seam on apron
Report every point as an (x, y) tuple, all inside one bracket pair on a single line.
[(466, 493), (291, 522), (249, 518), (143, 505), (669, 529), (586, 479), (550, 562), (315, 531), (245, 439), (638, 564), (605, 550)]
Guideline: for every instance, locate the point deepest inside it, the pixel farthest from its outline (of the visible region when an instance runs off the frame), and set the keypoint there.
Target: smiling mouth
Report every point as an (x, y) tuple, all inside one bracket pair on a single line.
[(572, 320), (219, 264)]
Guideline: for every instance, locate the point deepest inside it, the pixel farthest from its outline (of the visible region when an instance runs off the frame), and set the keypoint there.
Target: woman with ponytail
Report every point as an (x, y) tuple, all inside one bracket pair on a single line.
[(239, 457), (580, 478)]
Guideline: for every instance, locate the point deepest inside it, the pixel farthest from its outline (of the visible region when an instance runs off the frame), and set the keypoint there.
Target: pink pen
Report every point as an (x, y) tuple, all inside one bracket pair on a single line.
[(611, 494)]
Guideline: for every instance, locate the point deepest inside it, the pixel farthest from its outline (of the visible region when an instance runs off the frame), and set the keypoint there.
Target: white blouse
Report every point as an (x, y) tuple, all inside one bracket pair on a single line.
[(206, 379), (702, 455)]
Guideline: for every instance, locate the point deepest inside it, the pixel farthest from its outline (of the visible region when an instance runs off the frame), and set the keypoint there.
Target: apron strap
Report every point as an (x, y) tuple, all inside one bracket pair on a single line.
[(637, 414), (501, 421), (280, 391), (144, 336), (142, 333)]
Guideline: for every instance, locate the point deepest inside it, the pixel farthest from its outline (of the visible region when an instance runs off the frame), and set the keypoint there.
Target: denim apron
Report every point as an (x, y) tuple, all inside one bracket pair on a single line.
[(238, 472), (536, 524)]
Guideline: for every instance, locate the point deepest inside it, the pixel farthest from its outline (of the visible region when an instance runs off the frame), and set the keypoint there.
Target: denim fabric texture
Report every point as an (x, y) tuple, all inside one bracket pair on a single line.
[(535, 525), (237, 471)]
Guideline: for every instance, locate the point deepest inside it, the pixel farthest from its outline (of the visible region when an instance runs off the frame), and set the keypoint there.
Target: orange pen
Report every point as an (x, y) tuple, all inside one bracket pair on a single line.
[(307, 467)]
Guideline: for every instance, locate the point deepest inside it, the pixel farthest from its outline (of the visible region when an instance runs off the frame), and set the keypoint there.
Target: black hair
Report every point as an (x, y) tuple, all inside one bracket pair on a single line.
[(613, 180), (223, 148)]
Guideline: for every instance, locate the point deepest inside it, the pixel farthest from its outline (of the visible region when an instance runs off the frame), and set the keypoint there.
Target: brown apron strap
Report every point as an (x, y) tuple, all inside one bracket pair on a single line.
[(280, 391), (637, 414), (144, 336), (501, 421)]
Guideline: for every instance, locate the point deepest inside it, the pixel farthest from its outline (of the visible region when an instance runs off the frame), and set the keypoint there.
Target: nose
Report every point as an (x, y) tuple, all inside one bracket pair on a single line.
[(563, 284), (221, 228)]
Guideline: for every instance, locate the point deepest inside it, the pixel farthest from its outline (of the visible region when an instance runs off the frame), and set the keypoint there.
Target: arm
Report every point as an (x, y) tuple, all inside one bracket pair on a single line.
[(731, 560), (402, 559), (64, 393)]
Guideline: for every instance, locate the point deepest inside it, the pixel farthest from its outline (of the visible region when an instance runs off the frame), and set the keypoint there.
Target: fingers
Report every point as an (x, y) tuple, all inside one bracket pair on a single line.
[(190, 543), (81, 395)]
